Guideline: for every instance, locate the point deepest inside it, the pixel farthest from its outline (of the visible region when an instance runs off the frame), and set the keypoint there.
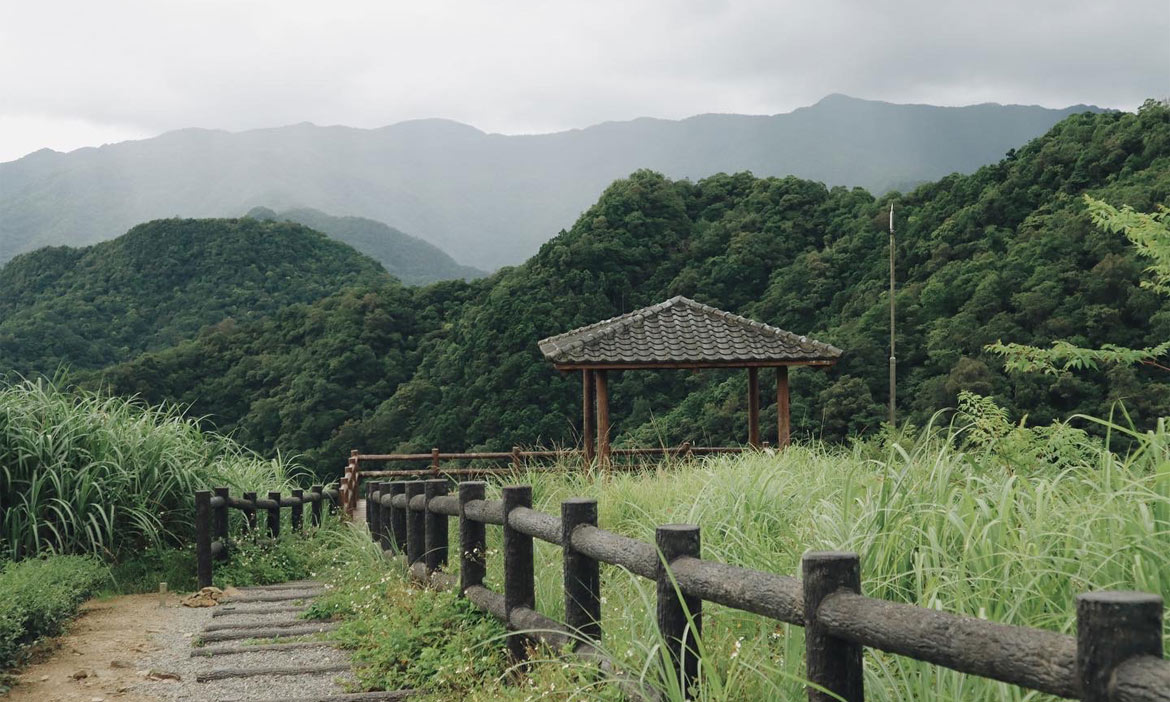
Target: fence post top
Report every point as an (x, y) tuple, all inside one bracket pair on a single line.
[(676, 528), (203, 493), (580, 501), (825, 556), (1120, 597), (472, 483), (435, 481), (517, 489)]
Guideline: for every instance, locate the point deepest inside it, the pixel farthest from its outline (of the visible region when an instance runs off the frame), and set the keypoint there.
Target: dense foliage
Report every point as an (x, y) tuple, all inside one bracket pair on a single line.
[(407, 258), (84, 473), (1005, 253), (40, 596), (158, 284)]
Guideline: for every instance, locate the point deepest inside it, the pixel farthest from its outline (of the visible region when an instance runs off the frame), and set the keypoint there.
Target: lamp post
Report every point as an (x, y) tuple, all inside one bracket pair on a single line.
[(893, 358)]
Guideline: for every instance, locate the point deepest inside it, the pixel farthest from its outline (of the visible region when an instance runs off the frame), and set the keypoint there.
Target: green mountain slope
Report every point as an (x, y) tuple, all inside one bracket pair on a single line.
[(1006, 252), (409, 259), (159, 284), (488, 199)]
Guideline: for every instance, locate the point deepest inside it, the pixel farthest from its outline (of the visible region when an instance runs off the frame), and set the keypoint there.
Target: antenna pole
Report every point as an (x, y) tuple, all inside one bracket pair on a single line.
[(893, 358)]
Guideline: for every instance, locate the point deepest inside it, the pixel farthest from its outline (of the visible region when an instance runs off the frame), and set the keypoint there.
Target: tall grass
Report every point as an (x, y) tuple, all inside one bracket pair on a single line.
[(85, 473), (942, 522)]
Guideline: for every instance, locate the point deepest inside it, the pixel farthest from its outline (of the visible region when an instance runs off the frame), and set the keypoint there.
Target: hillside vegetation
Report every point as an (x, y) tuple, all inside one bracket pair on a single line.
[(487, 199), (158, 284), (1005, 253), (407, 258)]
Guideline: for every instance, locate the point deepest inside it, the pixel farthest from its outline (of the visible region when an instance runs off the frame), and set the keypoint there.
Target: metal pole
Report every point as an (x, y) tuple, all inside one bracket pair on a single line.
[(893, 357)]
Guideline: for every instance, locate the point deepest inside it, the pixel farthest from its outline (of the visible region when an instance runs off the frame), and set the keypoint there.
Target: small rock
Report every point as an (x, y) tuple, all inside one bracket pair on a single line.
[(120, 664), (44, 678), (207, 597), (79, 674)]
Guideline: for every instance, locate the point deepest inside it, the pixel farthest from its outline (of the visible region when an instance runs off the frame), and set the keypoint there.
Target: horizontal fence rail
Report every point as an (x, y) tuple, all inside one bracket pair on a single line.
[(517, 459), (1116, 655), (211, 519)]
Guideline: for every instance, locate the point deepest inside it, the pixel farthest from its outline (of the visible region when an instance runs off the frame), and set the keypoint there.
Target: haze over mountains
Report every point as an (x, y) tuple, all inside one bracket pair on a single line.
[(487, 199)]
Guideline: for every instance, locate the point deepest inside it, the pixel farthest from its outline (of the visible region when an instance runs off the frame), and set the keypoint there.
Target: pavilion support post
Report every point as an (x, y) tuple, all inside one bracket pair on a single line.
[(589, 417), (783, 418), (601, 382), (754, 407)]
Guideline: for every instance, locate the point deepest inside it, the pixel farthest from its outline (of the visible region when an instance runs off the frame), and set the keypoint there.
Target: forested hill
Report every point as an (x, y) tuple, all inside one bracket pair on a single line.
[(487, 199), (1005, 253), (158, 284), (407, 258)]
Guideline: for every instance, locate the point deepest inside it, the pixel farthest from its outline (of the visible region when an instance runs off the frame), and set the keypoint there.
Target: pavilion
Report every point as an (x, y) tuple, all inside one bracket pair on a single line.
[(681, 333)]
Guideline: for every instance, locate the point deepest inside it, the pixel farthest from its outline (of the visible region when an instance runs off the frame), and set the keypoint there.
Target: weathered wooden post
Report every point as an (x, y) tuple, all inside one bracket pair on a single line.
[(250, 514), (384, 537), (588, 417), (415, 524), (297, 512), (436, 527), (833, 664), (519, 579), (370, 506), (754, 407), (1113, 627), (517, 460), (582, 575), (203, 537), (472, 538), (219, 521), (374, 509), (601, 390), (783, 421), (315, 508), (680, 618), (353, 483), (435, 459), (274, 515), (397, 518)]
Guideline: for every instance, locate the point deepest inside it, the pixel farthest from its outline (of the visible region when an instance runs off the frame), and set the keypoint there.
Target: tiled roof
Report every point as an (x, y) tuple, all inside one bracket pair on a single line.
[(682, 331)]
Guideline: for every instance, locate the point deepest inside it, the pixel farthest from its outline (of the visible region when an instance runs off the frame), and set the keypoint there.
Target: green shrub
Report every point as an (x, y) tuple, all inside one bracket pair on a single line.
[(37, 598)]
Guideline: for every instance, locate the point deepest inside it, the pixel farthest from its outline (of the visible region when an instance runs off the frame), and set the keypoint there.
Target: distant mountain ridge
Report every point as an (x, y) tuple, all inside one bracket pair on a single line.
[(487, 199), (407, 258)]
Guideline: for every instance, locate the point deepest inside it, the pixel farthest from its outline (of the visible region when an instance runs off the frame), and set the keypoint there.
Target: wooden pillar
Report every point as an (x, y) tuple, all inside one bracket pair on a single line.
[(601, 381), (588, 416), (754, 407), (783, 419)]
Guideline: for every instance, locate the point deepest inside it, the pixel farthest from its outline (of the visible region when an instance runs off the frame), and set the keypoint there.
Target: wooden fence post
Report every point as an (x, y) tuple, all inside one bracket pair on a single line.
[(250, 514), (397, 518), (219, 521), (519, 579), (680, 619), (203, 537), (274, 515), (435, 460), (384, 537), (315, 507), (472, 538), (415, 525), (297, 512), (353, 483), (517, 460), (436, 527), (370, 506), (1112, 627), (373, 509), (582, 575), (833, 664)]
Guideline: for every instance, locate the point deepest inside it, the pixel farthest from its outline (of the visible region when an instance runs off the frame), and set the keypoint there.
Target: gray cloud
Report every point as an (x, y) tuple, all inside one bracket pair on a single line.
[(76, 72)]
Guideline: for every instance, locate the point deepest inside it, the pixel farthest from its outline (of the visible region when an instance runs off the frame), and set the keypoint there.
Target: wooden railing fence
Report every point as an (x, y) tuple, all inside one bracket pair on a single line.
[(516, 459), (211, 519), (1116, 655)]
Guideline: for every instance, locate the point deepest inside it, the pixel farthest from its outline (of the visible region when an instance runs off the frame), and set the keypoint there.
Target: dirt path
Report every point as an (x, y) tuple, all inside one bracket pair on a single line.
[(98, 659)]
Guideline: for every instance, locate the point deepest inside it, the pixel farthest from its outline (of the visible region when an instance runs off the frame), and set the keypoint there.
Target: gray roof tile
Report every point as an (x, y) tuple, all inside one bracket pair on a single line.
[(683, 331)]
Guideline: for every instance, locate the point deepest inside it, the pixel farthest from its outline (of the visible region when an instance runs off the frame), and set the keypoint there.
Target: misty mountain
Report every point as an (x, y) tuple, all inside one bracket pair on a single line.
[(408, 258), (488, 199)]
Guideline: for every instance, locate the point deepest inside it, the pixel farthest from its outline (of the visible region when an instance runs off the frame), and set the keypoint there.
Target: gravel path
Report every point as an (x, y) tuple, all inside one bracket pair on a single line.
[(173, 671)]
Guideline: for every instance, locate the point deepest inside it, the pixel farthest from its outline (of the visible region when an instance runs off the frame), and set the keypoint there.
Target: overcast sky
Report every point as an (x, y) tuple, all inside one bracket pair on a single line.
[(86, 72)]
